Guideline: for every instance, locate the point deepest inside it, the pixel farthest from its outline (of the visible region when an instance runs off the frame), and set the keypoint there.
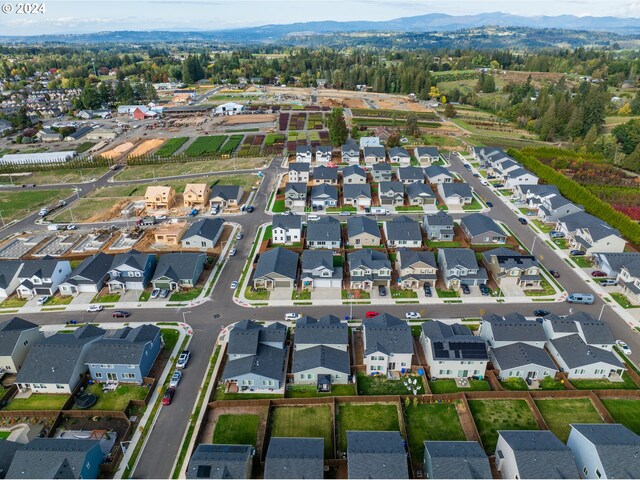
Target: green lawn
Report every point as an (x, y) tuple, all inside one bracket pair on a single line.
[(379, 417), (559, 414), (432, 244), (351, 295), (431, 421), (604, 384), (622, 300), (170, 337), (474, 205), (236, 429), (38, 401), (20, 203), (311, 391), (515, 383), (144, 296), (582, 262), (302, 295), (190, 294), (546, 289), (305, 422), (380, 385), (116, 399), (257, 294), (624, 411), (448, 385), (13, 302), (399, 293), (106, 298), (447, 293), (221, 395), (4, 435), (493, 415), (550, 383), (278, 206), (543, 227), (59, 300)]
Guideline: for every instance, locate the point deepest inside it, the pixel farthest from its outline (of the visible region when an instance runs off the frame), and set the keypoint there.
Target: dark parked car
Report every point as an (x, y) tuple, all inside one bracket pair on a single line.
[(484, 289), (523, 220), (427, 290), (382, 290), (489, 204), (465, 289), (168, 396), (554, 274), (250, 209), (120, 314), (576, 253), (541, 313), (598, 273)]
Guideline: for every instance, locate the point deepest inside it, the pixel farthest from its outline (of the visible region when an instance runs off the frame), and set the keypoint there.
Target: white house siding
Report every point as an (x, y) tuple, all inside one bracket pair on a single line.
[(610, 244), (452, 368), (506, 465), (280, 236), (383, 363), (12, 363), (586, 456), (310, 377)]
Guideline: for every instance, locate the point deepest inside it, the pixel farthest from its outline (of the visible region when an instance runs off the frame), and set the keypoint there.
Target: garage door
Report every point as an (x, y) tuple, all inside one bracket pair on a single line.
[(283, 284), (163, 285), (322, 282)]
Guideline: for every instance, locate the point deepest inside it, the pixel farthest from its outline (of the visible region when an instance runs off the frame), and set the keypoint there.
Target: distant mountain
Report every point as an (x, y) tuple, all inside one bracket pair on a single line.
[(432, 22)]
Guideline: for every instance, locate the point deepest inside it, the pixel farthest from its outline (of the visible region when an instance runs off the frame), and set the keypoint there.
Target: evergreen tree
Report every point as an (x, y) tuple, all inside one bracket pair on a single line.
[(489, 84), (450, 111), (337, 127), (412, 125)]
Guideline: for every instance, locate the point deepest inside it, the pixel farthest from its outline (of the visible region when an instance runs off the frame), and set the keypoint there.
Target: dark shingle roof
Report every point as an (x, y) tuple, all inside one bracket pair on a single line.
[(353, 170), (267, 362), (294, 458), (376, 455), (226, 192), (287, 222), (576, 353), (324, 189), (299, 166), (325, 229), (133, 259), (464, 257), (355, 190), (415, 190), (127, 348), (454, 342), (312, 259), (244, 338), (219, 461), (328, 330), (430, 151), (398, 151), (371, 259), (8, 270), (92, 269), (594, 332), (521, 354), (322, 357), (179, 266), (411, 257), (391, 186), (377, 151), (403, 228), (457, 459), (436, 170), (207, 228), (325, 173), (10, 331), (358, 225), (381, 167), (43, 268), (514, 327), (411, 173), (297, 187), (388, 334), (460, 189), (441, 218), (278, 260), (477, 224)]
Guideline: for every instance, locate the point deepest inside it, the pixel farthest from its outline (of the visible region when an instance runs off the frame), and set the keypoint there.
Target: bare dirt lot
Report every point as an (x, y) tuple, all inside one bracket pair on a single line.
[(147, 146), (119, 150)]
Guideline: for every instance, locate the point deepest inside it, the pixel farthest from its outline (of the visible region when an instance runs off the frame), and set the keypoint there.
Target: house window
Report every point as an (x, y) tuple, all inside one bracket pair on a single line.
[(585, 472), (60, 387), (598, 474), (98, 375), (127, 376)]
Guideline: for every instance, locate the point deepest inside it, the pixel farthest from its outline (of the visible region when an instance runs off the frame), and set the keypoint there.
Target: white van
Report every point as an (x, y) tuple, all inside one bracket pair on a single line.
[(584, 298), (53, 227)]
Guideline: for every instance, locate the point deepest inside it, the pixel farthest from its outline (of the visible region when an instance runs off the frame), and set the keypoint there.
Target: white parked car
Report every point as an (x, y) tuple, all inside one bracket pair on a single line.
[(175, 379), (292, 316), (232, 252), (71, 226), (183, 359), (484, 182), (161, 217), (234, 284), (42, 300), (411, 315), (624, 347), (95, 308)]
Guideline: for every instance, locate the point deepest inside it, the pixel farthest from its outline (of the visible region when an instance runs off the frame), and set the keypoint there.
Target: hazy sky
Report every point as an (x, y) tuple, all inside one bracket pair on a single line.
[(63, 16)]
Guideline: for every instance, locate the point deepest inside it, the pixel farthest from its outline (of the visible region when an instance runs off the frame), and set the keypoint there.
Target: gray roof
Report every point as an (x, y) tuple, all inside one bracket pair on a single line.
[(294, 458), (180, 266), (330, 191), (463, 257), (430, 151), (325, 173), (382, 167), (126, 347), (507, 162), (411, 173), (51, 458), (297, 187), (508, 258), (43, 268), (581, 220), (557, 201), (323, 357), (312, 259), (416, 189), (133, 259), (454, 342), (355, 190), (518, 172), (376, 151), (304, 149), (391, 186), (618, 448), (8, 270), (576, 353), (268, 362), (460, 189), (403, 228), (441, 218), (206, 228), (325, 229), (376, 455), (324, 149), (387, 334), (398, 151), (219, 461), (327, 330), (594, 331), (521, 354), (457, 459), (410, 257), (247, 335), (539, 190), (299, 166), (8, 448), (361, 224), (53, 359), (10, 331), (226, 192), (350, 144), (92, 270), (617, 260), (478, 224), (540, 454), (436, 170), (278, 260), (287, 221), (514, 327), (353, 170), (369, 258)]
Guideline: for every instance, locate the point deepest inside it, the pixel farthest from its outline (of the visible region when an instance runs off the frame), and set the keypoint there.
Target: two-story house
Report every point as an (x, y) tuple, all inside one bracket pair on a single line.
[(9, 276), (381, 172), (482, 229), (438, 226), (520, 176), (17, 336), (159, 197), (295, 195), (460, 267), (350, 152), (403, 231), (304, 153), (318, 270), (629, 279), (388, 344), (363, 232), (299, 172), (357, 195), (499, 331), (131, 271), (324, 233), (323, 154), (409, 175), (196, 195), (42, 277), (324, 196), (286, 229), (391, 193), (426, 155), (510, 267), (374, 155), (326, 175), (553, 207), (368, 268), (416, 268), (353, 174)]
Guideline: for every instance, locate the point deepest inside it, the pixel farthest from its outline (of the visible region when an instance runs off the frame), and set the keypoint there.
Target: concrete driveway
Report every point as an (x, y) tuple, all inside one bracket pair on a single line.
[(280, 294), (511, 290), (130, 296), (326, 294), (83, 298)]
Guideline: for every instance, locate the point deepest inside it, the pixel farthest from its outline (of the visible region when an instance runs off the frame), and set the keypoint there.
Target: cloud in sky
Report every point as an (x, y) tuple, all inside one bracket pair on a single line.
[(80, 16)]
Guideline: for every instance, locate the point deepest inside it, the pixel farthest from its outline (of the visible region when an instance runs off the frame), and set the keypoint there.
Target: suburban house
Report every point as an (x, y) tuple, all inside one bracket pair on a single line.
[(56, 364), (460, 267), (522, 360), (510, 267), (416, 268), (579, 360), (323, 153), (131, 271), (388, 344), (373, 155), (276, 268), (203, 234), (391, 193), (326, 175), (520, 176), (221, 461), (350, 152), (295, 195), (533, 195), (593, 332), (453, 351), (196, 195), (88, 277), (438, 226), (286, 229), (368, 268), (381, 172), (456, 193), (304, 153), (57, 458), (125, 355), (554, 207), (299, 172), (369, 142), (455, 459), (9, 278), (499, 331), (159, 197), (597, 238), (226, 195), (357, 195), (629, 278), (178, 271), (533, 454), (324, 233), (482, 229), (42, 277), (293, 458), (613, 263), (170, 234), (376, 455), (321, 355), (426, 155), (403, 231), (399, 155), (502, 167), (438, 174), (17, 336), (324, 196), (605, 450), (256, 357), (421, 194), (318, 270), (363, 232), (409, 175), (353, 174)]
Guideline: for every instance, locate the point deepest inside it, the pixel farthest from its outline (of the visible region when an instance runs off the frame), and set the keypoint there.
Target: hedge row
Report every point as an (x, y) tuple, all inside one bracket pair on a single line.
[(87, 162), (366, 112)]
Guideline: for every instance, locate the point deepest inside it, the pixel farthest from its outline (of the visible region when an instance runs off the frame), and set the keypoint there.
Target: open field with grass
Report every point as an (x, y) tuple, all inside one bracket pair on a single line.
[(493, 415), (431, 421), (116, 399), (21, 203), (559, 414), (379, 417), (307, 422), (624, 411), (81, 210), (55, 176), (38, 401), (236, 429)]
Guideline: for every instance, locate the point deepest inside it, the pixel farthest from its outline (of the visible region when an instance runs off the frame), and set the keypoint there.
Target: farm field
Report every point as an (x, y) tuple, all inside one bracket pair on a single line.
[(159, 170), (171, 146), (146, 147), (559, 414), (236, 429), (379, 417), (118, 150), (304, 422), (206, 145), (18, 204)]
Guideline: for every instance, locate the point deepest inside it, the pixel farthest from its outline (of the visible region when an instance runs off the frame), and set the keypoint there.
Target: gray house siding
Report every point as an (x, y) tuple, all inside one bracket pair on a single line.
[(123, 373)]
